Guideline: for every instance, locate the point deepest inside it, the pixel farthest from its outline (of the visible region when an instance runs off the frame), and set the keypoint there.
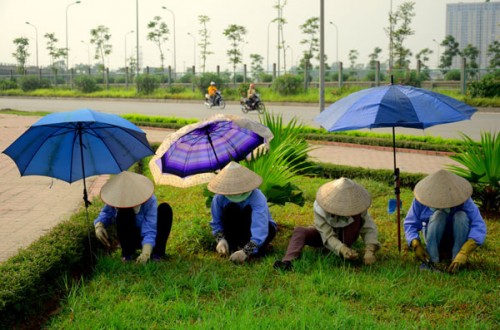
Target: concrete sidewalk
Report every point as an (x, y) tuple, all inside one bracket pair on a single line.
[(30, 206)]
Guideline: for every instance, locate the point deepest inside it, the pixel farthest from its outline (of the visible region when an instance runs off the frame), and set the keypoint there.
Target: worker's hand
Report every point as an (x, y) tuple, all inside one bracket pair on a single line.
[(102, 234), (238, 256), (420, 252), (369, 257), (348, 253), (462, 256), (145, 254), (222, 247)]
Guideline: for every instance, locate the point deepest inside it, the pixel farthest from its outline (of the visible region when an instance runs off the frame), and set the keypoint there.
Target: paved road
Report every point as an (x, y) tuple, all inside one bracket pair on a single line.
[(483, 120)]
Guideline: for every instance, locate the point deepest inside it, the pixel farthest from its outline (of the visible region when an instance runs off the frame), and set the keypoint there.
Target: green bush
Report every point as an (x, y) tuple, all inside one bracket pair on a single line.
[(31, 83), (287, 84), (486, 87), (147, 84), (203, 81), (86, 84), (8, 84), (452, 75)]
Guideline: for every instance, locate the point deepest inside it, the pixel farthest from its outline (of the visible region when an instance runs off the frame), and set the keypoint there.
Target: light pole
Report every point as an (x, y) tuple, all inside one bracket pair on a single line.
[(336, 42), (194, 48), (36, 41), (67, 49), (267, 65), (173, 20), (137, 69), (88, 51), (126, 34), (437, 43)]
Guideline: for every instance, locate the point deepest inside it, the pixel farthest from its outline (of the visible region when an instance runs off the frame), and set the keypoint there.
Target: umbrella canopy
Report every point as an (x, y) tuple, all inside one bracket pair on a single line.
[(73, 145), (192, 154), (393, 106)]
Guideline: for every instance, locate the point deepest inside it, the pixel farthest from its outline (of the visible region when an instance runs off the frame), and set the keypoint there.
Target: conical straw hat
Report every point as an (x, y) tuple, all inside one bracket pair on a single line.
[(343, 197), (234, 179), (442, 189), (127, 189)]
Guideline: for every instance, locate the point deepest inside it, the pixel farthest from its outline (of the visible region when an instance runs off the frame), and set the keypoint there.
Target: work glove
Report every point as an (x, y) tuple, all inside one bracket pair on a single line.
[(145, 254), (420, 252), (348, 253), (222, 247), (461, 257), (102, 234), (369, 257), (238, 256)]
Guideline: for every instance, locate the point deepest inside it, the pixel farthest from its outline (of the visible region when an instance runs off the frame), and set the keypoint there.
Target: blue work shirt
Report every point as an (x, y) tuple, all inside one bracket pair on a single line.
[(260, 215), (146, 219), (420, 214)]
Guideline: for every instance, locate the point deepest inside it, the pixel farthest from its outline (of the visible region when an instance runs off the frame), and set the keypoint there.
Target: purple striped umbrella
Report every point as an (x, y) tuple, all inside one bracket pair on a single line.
[(192, 154)]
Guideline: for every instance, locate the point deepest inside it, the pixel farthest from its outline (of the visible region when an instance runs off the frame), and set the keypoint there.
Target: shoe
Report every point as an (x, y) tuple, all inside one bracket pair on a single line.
[(283, 265), (429, 266)]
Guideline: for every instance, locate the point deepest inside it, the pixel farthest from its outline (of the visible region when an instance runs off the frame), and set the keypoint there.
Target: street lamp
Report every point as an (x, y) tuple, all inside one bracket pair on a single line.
[(67, 49), (194, 48), (36, 41), (173, 20), (337, 42), (437, 43), (126, 34), (88, 51)]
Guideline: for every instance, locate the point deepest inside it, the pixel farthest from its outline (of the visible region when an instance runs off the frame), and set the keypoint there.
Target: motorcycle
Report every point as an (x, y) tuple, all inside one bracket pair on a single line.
[(253, 105), (218, 101)]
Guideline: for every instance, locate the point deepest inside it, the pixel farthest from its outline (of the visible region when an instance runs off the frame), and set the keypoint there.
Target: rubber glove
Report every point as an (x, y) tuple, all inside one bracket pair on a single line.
[(222, 247), (420, 252), (461, 257), (238, 256), (348, 253), (145, 254), (369, 257), (102, 234)]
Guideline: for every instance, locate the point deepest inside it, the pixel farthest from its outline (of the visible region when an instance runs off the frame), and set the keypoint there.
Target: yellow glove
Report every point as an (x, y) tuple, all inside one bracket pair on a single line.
[(238, 256), (222, 247), (102, 234), (145, 254), (420, 252), (369, 257), (348, 253), (461, 257)]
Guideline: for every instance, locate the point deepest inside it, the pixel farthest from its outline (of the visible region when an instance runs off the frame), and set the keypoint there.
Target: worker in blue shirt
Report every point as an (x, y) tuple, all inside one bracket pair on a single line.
[(241, 222)]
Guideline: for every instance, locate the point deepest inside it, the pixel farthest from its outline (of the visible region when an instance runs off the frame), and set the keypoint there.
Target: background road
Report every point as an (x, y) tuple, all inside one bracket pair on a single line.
[(483, 120)]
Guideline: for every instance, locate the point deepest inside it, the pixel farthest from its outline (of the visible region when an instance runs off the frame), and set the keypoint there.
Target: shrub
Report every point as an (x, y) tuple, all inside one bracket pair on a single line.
[(86, 84), (287, 84), (31, 83), (147, 84), (452, 75), (486, 87), (203, 81), (8, 84)]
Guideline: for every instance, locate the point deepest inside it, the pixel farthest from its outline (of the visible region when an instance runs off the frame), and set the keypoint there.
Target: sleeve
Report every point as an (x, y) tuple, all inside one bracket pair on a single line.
[(216, 209), (260, 218), (477, 225), (106, 216), (328, 235), (369, 231), (413, 223), (149, 213)]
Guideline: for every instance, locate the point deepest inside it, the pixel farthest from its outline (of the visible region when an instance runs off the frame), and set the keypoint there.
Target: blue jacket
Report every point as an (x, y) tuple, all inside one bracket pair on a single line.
[(146, 219), (419, 214)]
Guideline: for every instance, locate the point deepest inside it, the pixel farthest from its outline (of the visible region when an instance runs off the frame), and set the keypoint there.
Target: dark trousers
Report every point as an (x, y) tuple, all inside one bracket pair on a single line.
[(130, 236), (237, 227), (310, 236)]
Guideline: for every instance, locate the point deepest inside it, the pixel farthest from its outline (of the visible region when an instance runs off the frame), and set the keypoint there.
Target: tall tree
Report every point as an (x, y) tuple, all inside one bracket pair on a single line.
[(256, 66), (158, 33), (235, 34), (353, 57), (55, 53), (204, 42), (21, 55), (281, 38), (374, 58), (494, 55), (100, 37), (310, 30), (399, 29), (471, 53), (423, 57), (451, 50)]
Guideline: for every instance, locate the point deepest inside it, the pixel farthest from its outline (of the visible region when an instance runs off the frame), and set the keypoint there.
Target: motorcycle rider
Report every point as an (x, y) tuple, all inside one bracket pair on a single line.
[(212, 89), (251, 96)]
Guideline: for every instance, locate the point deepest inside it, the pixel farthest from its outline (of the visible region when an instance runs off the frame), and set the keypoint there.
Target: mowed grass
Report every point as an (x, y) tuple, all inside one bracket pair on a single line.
[(196, 289)]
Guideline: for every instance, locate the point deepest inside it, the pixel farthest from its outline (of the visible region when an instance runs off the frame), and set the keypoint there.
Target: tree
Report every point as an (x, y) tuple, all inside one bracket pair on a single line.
[(353, 57), (100, 37), (451, 50), (374, 58), (55, 53), (21, 54), (235, 34), (423, 57), (310, 29), (471, 53), (158, 33), (204, 43), (399, 29), (256, 66), (494, 55), (281, 39)]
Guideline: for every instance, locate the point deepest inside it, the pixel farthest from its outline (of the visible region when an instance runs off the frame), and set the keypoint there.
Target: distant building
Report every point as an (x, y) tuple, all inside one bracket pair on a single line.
[(477, 24)]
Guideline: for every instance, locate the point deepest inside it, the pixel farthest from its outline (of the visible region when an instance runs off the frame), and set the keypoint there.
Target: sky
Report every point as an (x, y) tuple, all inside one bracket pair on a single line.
[(360, 25)]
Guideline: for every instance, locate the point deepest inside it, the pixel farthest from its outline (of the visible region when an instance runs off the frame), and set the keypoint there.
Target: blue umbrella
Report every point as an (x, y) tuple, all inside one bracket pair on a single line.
[(393, 106)]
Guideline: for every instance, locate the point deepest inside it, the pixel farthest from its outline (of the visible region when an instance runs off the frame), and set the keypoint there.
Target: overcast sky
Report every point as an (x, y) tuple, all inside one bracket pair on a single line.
[(360, 25)]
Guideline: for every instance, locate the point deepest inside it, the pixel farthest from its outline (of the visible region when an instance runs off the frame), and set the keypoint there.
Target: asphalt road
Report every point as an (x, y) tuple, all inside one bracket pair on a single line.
[(483, 120)]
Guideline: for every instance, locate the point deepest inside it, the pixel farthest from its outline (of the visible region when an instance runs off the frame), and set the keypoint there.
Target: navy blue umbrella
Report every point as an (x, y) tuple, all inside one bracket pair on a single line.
[(393, 106)]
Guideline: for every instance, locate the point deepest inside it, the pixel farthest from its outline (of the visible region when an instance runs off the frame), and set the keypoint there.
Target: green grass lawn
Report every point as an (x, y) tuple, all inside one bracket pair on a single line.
[(196, 289)]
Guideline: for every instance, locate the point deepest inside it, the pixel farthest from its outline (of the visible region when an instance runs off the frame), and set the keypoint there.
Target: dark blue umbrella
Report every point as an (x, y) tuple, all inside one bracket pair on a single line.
[(393, 106)]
